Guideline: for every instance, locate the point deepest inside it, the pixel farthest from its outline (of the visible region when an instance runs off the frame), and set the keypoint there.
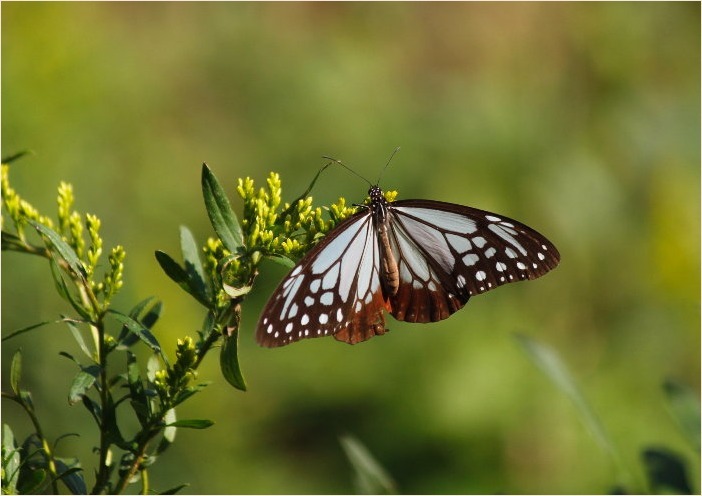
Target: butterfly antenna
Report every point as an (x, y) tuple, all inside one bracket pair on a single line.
[(347, 168), (386, 165)]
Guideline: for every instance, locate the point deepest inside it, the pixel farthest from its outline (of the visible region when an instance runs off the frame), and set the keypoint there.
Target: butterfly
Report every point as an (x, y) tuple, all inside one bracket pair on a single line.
[(419, 260)]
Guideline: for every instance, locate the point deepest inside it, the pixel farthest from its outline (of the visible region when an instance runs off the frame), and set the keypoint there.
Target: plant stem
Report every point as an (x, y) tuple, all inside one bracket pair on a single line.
[(103, 475)]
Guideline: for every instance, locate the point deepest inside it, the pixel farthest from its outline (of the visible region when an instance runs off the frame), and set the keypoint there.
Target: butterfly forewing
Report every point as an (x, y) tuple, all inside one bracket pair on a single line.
[(334, 290), (444, 253)]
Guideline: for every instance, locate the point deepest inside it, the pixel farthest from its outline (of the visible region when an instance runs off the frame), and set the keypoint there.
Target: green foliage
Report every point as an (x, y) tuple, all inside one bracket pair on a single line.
[(73, 247), (369, 476), (665, 469)]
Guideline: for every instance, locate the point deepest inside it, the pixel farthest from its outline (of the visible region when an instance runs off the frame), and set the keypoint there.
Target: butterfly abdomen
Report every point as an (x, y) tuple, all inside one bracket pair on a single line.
[(389, 273)]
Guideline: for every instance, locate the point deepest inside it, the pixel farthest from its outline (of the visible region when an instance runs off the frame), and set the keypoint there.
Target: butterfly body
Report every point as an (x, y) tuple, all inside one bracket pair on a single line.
[(419, 260)]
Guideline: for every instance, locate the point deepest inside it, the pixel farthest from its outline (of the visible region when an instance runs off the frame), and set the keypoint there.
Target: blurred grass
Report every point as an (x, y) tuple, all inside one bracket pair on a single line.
[(581, 120)]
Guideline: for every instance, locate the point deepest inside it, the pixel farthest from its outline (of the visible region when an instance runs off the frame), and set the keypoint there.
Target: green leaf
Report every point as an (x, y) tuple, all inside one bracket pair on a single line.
[(10, 461), (684, 406), (192, 424), (29, 328), (551, 365), (78, 337), (193, 265), (138, 399), (282, 260), (220, 212), (293, 204), (137, 329), (11, 158), (70, 473), (83, 381), (229, 361), (93, 408), (666, 472), (63, 290), (146, 312), (175, 490), (62, 248), (16, 371), (369, 476), (188, 392), (33, 481)]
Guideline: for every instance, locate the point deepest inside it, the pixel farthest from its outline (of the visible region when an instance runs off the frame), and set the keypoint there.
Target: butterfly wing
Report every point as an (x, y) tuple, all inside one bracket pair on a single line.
[(447, 253), (334, 290)]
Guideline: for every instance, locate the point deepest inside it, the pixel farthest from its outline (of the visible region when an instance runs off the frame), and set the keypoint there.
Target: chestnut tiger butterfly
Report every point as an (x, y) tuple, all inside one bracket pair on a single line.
[(419, 260)]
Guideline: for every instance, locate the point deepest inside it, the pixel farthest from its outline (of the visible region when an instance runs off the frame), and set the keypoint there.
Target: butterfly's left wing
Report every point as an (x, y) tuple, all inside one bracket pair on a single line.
[(447, 253), (334, 290)]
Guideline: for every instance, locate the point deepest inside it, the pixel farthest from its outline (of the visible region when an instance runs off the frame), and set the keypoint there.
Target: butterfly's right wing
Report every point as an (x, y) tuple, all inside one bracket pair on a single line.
[(447, 253), (334, 290)]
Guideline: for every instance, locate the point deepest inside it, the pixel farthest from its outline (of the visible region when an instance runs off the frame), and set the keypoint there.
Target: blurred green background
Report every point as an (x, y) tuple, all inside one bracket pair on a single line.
[(581, 120)]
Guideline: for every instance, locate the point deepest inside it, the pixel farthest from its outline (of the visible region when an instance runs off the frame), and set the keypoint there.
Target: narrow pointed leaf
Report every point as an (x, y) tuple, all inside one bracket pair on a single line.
[(173, 270), (293, 204), (63, 249), (192, 424), (138, 329), (11, 158), (282, 260), (220, 212), (93, 408), (29, 328), (146, 312), (551, 365), (71, 474), (83, 381), (193, 264), (138, 399), (229, 361), (64, 291), (78, 337), (16, 371), (369, 476), (684, 406), (175, 490)]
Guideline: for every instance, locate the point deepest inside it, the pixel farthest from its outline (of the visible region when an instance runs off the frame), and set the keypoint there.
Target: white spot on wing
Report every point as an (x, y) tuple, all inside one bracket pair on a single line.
[(327, 298), (459, 243), (305, 319), (479, 241), (323, 319), (490, 252), (492, 218), (480, 275), (470, 259), (288, 328), (314, 286)]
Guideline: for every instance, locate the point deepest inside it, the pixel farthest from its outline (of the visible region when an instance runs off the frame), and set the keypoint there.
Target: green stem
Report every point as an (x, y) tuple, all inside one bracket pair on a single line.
[(103, 476)]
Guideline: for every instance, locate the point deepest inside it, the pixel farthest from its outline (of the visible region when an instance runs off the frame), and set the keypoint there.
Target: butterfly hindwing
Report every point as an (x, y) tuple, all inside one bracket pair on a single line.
[(334, 290)]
